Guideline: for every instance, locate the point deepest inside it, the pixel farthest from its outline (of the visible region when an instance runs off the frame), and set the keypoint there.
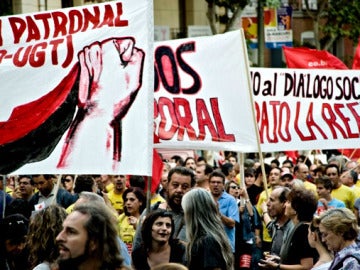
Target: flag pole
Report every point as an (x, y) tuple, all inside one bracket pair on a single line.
[(4, 198), (261, 158), (148, 194)]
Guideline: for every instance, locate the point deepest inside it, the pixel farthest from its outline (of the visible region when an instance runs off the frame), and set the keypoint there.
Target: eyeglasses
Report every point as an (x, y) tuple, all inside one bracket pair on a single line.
[(66, 180), (235, 187), (24, 183)]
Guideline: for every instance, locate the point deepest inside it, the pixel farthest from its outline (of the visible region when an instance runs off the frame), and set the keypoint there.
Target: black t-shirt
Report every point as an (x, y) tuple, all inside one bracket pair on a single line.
[(206, 254), (297, 246), (254, 192), (139, 255)]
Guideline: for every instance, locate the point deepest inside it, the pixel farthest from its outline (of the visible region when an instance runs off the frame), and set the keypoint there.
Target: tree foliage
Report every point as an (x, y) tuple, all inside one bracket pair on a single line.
[(332, 20), (235, 7)]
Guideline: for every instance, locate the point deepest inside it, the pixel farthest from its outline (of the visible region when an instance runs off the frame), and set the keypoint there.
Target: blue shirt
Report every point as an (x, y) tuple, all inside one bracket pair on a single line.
[(228, 207), (334, 203)]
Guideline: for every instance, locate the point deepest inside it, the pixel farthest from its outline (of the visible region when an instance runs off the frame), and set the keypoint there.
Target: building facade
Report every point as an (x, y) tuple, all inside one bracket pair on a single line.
[(187, 18)]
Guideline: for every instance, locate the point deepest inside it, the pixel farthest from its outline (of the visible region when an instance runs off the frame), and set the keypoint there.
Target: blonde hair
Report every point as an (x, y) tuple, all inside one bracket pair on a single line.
[(340, 221)]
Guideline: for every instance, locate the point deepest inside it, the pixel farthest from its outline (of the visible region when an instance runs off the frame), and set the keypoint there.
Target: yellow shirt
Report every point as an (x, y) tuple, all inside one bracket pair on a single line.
[(116, 201), (157, 198), (109, 187), (345, 194), (356, 191), (126, 231), (263, 198), (358, 183), (310, 186), (70, 208)]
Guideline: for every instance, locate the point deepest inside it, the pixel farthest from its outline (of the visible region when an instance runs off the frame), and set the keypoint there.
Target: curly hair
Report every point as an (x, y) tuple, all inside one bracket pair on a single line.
[(45, 225), (102, 230), (304, 202)]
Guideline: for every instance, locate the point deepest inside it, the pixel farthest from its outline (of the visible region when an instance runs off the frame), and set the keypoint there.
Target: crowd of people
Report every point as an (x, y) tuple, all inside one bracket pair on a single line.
[(202, 216)]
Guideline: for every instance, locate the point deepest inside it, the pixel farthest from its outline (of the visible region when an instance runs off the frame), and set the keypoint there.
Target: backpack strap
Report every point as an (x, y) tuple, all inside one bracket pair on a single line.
[(341, 262)]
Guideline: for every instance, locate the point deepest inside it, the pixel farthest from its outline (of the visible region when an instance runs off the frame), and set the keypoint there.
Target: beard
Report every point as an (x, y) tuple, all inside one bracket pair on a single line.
[(71, 263), (172, 202), (74, 263)]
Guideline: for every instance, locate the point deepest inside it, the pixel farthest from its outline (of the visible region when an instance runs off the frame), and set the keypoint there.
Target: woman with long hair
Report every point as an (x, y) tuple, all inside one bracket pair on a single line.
[(45, 225), (208, 246), (158, 245)]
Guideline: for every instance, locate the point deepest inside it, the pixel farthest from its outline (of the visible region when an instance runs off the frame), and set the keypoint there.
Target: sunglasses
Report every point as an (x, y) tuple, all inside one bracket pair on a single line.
[(235, 187), (66, 180)]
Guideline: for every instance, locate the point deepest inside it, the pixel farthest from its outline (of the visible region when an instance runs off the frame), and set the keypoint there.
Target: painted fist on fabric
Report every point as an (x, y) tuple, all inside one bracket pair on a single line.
[(110, 76)]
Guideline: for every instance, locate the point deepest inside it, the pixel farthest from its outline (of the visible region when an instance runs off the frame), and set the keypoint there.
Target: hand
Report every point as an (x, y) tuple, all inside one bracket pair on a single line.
[(258, 241), (90, 61), (324, 202), (132, 60), (264, 207), (270, 262), (264, 264), (132, 221)]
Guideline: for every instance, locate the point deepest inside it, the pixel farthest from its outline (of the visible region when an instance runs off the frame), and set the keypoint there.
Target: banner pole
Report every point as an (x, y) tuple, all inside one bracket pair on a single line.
[(4, 199), (353, 153), (57, 186), (148, 194), (261, 158)]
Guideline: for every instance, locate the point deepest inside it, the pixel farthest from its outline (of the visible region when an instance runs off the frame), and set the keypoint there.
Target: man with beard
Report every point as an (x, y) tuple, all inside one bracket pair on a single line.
[(48, 193), (180, 181), (89, 239)]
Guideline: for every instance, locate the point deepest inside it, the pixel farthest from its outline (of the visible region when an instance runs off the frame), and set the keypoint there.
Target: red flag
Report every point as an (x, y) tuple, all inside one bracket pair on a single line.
[(157, 167), (356, 62), (311, 58), (351, 153), (292, 155)]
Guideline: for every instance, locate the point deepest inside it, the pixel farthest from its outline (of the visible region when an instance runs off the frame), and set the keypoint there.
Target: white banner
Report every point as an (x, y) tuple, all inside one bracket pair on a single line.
[(202, 101), (76, 90), (300, 109), (202, 97)]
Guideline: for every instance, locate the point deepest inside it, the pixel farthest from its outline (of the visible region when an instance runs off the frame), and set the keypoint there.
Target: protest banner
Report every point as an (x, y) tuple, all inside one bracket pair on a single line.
[(202, 94), (201, 101), (76, 90), (301, 109)]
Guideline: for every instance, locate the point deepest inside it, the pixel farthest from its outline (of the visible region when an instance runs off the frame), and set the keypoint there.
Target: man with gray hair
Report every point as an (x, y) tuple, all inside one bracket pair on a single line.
[(277, 223)]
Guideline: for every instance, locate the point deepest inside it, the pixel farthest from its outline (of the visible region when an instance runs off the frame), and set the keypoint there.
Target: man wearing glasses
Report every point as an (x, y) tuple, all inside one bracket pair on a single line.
[(26, 187), (227, 205)]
